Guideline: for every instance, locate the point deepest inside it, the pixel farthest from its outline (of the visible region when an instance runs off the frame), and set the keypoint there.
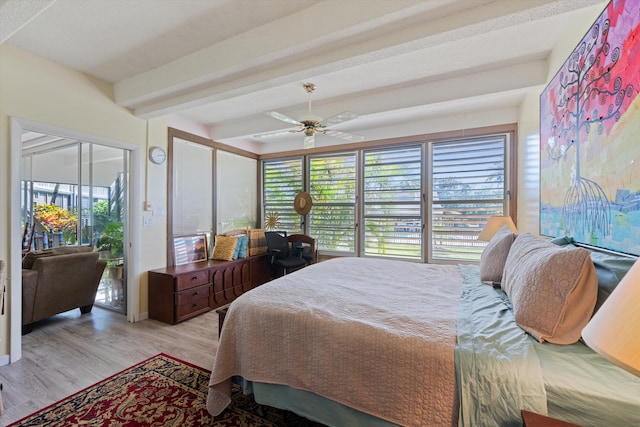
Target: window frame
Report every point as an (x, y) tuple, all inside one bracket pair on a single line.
[(263, 208), (355, 203), (363, 202), (508, 201), (509, 132)]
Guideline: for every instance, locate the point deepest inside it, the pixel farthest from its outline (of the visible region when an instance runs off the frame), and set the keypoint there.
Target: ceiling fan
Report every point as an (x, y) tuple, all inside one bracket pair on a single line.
[(311, 124)]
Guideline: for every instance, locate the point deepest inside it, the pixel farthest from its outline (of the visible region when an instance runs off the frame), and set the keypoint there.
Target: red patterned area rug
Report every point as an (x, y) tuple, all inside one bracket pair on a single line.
[(161, 391)]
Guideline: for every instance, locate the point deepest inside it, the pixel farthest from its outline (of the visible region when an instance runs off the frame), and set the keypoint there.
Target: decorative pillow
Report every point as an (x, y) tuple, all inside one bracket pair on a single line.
[(225, 247), (495, 255), (243, 243), (257, 242), (241, 252), (610, 268), (553, 290)]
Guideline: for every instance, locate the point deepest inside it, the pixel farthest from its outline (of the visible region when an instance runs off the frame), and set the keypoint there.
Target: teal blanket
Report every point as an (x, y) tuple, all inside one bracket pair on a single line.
[(497, 366)]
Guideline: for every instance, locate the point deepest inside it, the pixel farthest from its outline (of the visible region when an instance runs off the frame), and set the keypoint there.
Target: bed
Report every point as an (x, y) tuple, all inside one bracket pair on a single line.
[(360, 341)]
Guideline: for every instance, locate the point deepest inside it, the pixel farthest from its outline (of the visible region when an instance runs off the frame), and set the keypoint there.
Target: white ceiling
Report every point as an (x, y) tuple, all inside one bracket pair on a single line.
[(224, 63)]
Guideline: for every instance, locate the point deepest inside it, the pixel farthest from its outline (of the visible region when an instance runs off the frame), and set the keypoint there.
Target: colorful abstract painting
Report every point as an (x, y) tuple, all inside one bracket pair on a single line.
[(590, 137)]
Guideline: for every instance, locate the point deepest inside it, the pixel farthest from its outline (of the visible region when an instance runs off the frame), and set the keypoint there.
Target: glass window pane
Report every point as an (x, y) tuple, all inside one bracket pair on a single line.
[(393, 202), (192, 188), (236, 182), (468, 182), (332, 187), (282, 181)]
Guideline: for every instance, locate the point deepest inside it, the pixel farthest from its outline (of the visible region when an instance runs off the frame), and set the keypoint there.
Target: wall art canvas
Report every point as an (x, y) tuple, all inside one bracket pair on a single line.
[(590, 137)]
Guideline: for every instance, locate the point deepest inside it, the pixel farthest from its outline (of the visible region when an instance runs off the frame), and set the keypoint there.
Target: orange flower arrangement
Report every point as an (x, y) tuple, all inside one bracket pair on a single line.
[(55, 218)]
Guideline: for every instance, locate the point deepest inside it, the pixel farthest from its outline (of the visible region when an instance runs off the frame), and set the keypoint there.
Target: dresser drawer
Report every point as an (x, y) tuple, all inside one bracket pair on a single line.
[(192, 308), (189, 280), (189, 296)]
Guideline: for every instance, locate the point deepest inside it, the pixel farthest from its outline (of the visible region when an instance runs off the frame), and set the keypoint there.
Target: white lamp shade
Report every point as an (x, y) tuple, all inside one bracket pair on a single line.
[(614, 331), (494, 224)]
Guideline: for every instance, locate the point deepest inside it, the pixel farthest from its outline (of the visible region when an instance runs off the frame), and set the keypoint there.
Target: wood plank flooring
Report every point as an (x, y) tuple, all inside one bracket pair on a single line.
[(69, 352)]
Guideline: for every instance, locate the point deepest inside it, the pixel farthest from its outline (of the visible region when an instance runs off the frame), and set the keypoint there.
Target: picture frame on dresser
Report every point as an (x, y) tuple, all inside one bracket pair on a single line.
[(190, 248)]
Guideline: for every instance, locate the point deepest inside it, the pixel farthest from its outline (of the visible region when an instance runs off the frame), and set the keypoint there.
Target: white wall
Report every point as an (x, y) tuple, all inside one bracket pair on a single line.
[(36, 90)]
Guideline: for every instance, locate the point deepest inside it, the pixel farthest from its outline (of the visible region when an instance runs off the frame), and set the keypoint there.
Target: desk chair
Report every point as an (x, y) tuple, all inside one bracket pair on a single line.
[(280, 255), (306, 245)]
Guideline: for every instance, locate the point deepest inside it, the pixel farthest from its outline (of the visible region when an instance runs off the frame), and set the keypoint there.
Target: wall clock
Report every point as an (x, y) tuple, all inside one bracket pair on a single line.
[(157, 155)]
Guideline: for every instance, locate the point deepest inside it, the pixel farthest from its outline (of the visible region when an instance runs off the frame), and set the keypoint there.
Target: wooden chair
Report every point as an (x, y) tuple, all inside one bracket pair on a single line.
[(307, 245)]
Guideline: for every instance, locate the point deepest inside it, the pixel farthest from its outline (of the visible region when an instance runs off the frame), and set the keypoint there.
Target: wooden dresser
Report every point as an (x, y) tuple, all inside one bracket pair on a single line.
[(182, 292)]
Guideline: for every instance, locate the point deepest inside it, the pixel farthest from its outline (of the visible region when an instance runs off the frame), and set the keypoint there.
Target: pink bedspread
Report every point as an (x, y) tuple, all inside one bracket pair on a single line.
[(375, 335)]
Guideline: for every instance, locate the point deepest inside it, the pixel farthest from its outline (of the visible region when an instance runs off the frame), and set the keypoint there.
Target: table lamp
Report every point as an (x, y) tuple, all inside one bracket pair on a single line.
[(494, 224), (614, 331)]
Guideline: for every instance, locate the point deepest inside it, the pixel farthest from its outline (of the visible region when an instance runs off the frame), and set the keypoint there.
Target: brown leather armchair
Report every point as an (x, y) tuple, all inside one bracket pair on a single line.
[(58, 280)]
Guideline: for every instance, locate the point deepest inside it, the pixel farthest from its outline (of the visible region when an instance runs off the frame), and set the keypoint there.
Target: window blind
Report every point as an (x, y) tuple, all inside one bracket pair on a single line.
[(332, 187), (392, 202), (282, 181), (468, 186)]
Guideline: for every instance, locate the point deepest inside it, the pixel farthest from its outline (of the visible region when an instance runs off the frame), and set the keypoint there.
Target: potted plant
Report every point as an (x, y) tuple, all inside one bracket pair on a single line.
[(110, 244), (110, 241)]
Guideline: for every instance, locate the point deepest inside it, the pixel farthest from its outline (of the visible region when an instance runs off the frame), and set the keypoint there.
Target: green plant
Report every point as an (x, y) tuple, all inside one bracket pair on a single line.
[(112, 239)]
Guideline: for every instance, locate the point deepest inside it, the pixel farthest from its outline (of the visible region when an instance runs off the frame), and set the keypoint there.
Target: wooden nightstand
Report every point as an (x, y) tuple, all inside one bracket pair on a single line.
[(531, 419)]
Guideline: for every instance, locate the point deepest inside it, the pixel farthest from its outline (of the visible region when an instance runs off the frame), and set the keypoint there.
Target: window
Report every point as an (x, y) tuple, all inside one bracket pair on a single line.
[(332, 187), (392, 202), (282, 181), (192, 190), (213, 188), (468, 186), (422, 200), (236, 178)]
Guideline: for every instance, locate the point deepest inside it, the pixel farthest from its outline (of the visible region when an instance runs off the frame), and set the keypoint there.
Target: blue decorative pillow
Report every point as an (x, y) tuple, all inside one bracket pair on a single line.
[(236, 252), (243, 243)]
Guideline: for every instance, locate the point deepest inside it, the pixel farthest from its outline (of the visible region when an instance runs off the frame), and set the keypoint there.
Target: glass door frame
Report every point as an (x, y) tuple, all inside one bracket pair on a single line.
[(134, 217)]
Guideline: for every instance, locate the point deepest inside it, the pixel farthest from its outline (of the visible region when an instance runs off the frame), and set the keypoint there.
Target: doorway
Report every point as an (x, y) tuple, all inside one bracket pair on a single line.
[(76, 193)]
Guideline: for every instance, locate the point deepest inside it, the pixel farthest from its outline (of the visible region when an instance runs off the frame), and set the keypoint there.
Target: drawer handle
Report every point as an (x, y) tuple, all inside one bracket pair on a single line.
[(194, 305), (196, 293), (194, 278)]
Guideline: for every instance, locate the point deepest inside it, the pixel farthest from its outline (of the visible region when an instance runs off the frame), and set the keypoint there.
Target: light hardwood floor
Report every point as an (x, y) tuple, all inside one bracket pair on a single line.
[(69, 352)]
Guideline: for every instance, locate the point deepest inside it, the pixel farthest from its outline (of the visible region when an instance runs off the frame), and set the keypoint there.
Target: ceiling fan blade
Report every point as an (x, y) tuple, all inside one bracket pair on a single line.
[(282, 117), (309, 141), (344, 135), (339, 118), (274, 133)]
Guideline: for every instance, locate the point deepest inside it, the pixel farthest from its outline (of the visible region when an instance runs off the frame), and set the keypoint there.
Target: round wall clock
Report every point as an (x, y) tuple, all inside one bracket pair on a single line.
[(157, 155)]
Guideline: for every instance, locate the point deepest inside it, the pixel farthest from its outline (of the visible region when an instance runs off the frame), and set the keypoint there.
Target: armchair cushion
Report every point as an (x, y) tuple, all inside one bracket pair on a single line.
[(31, 257)]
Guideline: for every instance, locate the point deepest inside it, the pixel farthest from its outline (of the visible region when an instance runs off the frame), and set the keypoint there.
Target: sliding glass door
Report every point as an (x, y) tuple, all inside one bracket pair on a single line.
[(76, 193)]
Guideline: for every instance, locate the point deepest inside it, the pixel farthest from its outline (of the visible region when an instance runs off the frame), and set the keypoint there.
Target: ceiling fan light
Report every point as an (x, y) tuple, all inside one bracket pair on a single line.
[(310, 118)]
